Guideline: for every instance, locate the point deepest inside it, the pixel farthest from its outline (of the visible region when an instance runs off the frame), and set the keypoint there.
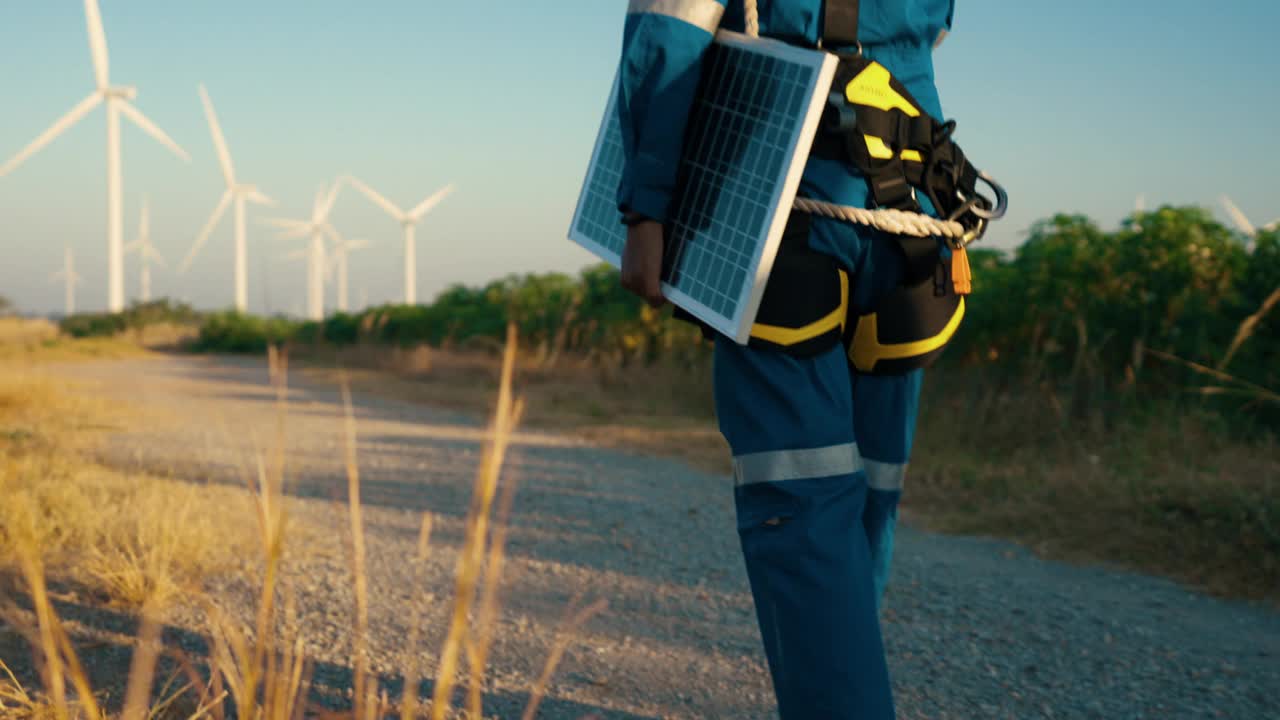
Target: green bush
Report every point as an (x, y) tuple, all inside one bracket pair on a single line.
[(137, 316), (232, 332), (83, 325)]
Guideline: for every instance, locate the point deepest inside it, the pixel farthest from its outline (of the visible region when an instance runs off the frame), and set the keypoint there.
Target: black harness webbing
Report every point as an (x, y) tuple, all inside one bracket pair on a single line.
[(840, 23)]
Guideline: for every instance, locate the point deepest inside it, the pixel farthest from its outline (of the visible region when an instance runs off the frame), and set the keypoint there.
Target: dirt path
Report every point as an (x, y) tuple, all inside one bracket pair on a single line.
[(974, 628)]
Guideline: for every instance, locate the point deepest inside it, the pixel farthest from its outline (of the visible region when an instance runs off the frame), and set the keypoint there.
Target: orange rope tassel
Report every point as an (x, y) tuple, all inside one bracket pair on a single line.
[(961, 276)]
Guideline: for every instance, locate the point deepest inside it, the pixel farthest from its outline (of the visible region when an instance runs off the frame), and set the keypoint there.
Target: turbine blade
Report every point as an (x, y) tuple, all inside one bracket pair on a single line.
[(219, 142), (56, 276), (329, 200), (351, 245), (53, 132), (205, 231), (98, 44), (425, 206), (294, 234), (378, 199), (1238, 217), (286, 223), (151, 129), (258, 197), (295, 255), (157, 257), (316, 205)]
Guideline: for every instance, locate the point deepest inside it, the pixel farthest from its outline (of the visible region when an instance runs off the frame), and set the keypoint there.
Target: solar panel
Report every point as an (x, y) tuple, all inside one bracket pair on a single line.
[(748, 137)]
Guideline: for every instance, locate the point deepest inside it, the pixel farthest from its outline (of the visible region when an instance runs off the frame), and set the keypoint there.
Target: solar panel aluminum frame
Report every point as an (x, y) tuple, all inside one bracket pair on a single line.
[(738, 326)]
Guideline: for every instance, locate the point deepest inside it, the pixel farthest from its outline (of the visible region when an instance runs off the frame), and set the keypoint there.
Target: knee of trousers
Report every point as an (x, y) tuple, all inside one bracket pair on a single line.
[(812, 577)]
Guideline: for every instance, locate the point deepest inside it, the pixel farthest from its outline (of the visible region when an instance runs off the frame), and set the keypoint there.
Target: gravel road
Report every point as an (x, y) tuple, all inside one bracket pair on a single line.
[(975, 628)]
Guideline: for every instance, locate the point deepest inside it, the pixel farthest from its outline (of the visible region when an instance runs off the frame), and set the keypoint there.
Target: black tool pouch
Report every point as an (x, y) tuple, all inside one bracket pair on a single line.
[(910, 326)]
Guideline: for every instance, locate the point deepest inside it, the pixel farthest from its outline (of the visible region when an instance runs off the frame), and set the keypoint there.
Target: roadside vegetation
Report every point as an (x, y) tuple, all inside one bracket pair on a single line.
[(1111, 395), (76, 535)]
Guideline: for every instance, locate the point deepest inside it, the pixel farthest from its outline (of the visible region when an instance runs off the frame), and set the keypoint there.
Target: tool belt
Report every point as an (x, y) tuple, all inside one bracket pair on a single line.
[(806, 309)]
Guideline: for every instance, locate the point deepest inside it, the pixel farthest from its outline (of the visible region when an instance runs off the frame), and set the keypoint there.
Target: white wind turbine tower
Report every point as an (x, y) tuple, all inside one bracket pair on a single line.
[(409, 221), (338, 265), (1242, 221), (240, 193), (317, 227), (68, 275), (117, 99), (146, 252)]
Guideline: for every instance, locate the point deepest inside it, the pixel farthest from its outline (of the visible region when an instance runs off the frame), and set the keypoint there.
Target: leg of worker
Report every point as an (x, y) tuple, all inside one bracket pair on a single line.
[(884, 419), (800, 498)]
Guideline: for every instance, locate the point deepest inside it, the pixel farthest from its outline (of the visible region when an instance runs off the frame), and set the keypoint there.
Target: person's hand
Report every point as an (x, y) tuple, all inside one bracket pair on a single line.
[(642, 262)]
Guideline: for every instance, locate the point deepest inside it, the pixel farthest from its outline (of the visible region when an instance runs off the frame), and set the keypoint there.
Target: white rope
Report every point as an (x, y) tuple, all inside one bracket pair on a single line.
[(895, 222), (888, 220)]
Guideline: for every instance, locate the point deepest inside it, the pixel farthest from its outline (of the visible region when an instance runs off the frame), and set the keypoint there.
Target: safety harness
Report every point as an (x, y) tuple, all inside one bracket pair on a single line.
[(874, 123)]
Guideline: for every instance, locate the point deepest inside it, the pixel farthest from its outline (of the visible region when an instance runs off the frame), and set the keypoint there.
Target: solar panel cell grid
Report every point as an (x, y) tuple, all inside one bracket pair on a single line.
[(741, 158)]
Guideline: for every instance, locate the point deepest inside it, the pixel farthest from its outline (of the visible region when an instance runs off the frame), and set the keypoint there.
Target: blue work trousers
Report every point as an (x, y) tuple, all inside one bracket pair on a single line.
[(816, 515)]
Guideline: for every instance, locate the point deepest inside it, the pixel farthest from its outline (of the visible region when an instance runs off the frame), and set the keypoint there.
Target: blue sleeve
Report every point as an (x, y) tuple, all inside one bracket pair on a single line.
[(662, 50)]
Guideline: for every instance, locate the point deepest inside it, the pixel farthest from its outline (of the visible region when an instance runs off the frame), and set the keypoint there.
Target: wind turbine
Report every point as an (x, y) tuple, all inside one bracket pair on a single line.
[(317, 227), (1242, 221), (338, 265), (408, 220), (117, 99), (240, 193), (70, 277), (146, 252)]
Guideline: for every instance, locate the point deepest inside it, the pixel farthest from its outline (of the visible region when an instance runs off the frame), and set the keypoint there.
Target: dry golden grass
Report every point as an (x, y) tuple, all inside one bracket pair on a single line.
[(23, 331), (132, 537), (163, 336), (1168, 491), (36, 340), (264, 674)]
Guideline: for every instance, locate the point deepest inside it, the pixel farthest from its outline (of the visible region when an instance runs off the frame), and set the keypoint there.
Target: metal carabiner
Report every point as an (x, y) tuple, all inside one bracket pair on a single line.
[(1002, 199)]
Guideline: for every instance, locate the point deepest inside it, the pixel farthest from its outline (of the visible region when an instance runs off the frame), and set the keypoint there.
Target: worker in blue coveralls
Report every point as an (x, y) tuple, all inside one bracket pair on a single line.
[(819, 449)]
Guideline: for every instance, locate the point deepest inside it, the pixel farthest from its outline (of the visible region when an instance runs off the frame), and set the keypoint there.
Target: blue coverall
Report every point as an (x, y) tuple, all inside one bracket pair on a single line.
[(819, 449)]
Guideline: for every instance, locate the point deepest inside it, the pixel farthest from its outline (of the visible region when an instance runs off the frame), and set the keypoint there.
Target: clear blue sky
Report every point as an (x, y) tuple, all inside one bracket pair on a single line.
[(1076, 106)]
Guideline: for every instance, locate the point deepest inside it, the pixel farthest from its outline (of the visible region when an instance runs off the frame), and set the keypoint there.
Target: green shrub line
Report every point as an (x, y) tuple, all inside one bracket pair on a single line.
[(137, 316), (1099, 312)]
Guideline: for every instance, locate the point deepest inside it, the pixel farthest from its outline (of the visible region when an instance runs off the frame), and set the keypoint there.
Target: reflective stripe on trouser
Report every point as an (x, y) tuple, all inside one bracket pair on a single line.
[(802, 504), (885, 439)]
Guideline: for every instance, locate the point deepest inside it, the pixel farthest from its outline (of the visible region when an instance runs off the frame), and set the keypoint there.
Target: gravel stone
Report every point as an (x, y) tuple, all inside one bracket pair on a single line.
[(974, 627)]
